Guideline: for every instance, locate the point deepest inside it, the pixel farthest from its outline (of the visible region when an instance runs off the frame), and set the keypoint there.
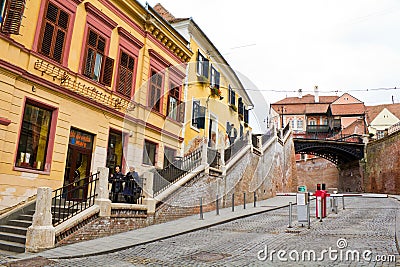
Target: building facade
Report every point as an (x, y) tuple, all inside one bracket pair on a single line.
[(85, 84), (217, 105)]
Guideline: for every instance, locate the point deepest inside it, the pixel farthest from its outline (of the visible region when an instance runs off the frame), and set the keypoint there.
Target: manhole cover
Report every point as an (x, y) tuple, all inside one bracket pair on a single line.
[(33, 262), (208, 256)]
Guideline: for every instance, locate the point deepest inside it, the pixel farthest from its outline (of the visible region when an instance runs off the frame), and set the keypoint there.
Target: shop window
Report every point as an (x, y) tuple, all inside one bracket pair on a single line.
[(34, 138), (98, 66), (11, 15), (149, 153), (202, 65), (114, 151), (54, 32), (169, 156), (125, 74), (156, 81)]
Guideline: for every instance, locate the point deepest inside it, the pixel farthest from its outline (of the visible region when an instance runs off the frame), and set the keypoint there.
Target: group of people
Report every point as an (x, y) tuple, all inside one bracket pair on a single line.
[(128, 185)]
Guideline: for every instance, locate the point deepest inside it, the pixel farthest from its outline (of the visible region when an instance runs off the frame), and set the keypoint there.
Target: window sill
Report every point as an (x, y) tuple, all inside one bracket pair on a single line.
[(157, 112), (194, 128), (174, 121), (20, 169)]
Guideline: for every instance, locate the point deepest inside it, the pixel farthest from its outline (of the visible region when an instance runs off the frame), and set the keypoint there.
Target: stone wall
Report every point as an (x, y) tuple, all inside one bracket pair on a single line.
[(317, 170), (382, 165)]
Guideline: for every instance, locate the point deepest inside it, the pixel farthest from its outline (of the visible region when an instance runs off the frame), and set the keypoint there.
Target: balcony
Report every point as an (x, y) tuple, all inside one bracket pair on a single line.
[(317, 128)]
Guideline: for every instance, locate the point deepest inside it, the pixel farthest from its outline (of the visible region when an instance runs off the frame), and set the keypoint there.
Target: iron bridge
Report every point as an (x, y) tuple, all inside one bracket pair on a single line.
[(338, 151)]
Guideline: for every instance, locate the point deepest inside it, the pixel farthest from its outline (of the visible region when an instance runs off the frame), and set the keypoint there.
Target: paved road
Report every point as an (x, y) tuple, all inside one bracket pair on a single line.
[(366, 228)]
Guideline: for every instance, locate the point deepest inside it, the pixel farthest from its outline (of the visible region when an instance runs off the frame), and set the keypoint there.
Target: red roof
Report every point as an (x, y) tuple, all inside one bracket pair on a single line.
[(316, 108), (307, 99), (373, 111), (348, 109)]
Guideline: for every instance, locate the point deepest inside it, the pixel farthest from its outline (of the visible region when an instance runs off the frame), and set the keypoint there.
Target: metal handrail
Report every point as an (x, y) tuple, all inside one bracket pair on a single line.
[(175, 171), (234, 148), (73, 198)]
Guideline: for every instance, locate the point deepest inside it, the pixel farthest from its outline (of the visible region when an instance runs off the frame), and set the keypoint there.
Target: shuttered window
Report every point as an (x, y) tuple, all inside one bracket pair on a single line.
[(215, 78), (202, 65), (54, 32), (176, 108), (97, 66), (155, 90), (125, 74), (12, 16), (232, 96)]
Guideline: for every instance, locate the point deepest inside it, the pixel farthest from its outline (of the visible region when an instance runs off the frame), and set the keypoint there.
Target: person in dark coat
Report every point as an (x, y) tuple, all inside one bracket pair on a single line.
[(132, 187), (116, 180)]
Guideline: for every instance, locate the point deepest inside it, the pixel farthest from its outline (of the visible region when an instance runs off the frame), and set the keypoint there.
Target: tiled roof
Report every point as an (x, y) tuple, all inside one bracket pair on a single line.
[(163, 12), (373, 111), (290, 109), (306, 99), (357, 127), (316, 108), (348, 109)]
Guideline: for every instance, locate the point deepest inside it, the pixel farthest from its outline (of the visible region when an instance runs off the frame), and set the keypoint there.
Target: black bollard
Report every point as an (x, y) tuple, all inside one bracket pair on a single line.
[(201, 209), (244, 200), (255, 199), (233, 202), (217, 205)]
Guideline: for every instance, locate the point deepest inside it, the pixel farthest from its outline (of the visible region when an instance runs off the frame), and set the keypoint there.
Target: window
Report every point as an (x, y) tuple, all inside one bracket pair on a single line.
[(246, 116), (97, 66), (380, 134), (299, 124), (11, 15), (156, 81), (240, 106), (202, 65), (125, 74), (312, 122), (169, 156), (293, 123), (149, 153), (325, 121), (232, 96), (175, 107), (34, 137), (198, 115), (215, 77), (54, 32)]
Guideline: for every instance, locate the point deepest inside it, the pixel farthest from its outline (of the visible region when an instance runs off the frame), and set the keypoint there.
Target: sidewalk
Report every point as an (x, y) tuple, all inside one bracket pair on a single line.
[(158, 231)]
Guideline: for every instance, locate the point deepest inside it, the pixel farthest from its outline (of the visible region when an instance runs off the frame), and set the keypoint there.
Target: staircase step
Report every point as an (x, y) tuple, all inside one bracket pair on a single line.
[(12, 246), (13, 229), (20, 223), (25, 217), (12, 237)]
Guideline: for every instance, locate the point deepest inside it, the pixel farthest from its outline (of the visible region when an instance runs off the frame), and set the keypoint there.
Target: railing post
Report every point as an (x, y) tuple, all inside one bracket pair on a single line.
[(41, 234), (148, 180), (102, 198)]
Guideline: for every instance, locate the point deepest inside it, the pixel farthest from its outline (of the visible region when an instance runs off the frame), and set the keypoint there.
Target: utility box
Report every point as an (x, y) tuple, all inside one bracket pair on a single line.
[(302, 199)]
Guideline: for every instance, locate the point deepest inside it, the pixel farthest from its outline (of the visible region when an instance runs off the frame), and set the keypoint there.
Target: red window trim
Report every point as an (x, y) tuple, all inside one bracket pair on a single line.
[(68, 7), (52, 133), (159, 65), (161, 109)]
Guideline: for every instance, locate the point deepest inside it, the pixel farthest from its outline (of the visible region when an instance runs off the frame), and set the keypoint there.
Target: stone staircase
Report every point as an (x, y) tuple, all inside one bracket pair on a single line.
[(13, 230)]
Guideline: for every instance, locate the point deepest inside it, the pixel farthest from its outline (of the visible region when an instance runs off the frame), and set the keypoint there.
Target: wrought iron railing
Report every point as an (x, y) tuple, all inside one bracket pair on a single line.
[(213, 158), (267, 136), (285, 130), (73, 198), (233, 149), (175, 171), (318, 129)]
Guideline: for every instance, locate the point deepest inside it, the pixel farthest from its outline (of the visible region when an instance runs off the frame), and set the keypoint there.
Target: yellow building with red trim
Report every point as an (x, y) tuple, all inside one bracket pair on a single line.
[(85, 84)]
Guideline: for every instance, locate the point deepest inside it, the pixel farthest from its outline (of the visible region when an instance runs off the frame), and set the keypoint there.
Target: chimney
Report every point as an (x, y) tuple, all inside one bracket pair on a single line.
[(300, 93), (316, 95)]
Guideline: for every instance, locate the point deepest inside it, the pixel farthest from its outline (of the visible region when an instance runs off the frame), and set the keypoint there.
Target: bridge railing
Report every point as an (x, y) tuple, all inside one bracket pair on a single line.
[(394, 128)]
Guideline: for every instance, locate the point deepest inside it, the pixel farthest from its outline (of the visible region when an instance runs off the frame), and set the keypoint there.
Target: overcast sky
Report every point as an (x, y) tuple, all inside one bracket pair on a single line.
[(286, 45)]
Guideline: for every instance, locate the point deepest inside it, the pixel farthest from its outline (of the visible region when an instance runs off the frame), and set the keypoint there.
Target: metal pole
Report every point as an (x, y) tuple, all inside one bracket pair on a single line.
[(201, 209), (343, 202), (244, 200), (308, 215), (335, 203), (255, 199), (217, 204), (290, 214), (233, 202), (319, 199)]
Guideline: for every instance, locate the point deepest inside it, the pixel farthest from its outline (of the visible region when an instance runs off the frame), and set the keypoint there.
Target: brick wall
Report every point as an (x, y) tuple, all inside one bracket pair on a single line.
[(382, 166), (317, 170)]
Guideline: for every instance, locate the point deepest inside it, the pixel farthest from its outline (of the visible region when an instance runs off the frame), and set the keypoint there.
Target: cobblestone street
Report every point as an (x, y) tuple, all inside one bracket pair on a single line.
[(365, 224)]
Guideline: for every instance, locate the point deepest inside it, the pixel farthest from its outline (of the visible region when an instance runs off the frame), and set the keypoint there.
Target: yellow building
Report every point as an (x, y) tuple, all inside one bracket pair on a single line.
[(217, 105), (85, 84)]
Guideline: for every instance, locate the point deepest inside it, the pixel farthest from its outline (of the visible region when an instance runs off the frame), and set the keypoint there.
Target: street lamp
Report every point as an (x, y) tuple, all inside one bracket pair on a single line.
[(282, 110)]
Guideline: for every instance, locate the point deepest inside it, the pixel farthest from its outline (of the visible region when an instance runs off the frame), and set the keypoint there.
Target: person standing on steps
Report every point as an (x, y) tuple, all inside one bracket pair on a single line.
[(116, 180), (232, 134)]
